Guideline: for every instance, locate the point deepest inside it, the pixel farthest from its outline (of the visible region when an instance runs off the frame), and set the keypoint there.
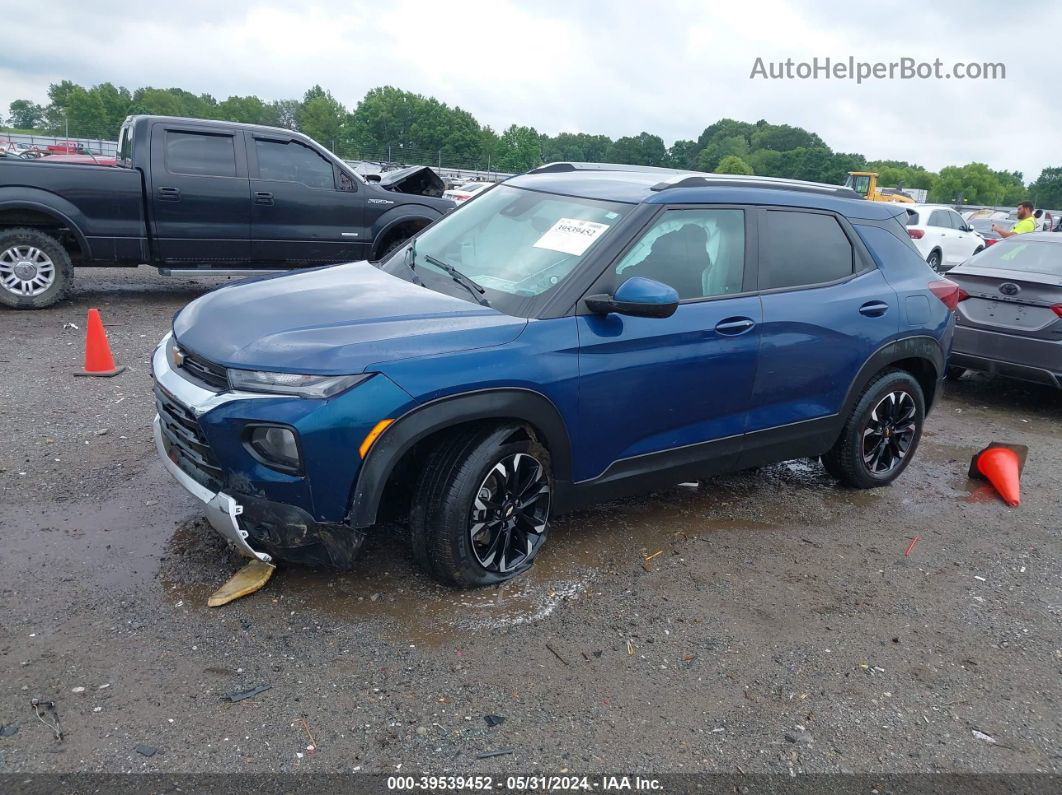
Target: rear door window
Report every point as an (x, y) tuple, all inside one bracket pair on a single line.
[(201, 154), (800, 249), (939, 218)]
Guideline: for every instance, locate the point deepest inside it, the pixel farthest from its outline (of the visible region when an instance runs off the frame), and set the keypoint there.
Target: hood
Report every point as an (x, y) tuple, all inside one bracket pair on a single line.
[(335, 320), (419, 180)]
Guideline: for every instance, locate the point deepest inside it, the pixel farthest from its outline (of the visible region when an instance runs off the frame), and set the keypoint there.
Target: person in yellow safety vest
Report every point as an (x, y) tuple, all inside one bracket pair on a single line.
[(1026, 222)]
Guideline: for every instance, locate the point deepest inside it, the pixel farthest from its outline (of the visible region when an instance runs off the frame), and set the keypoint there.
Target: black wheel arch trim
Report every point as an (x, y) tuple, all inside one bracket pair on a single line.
[(522, 405), (918, 347), (398, 216), (62, 219)]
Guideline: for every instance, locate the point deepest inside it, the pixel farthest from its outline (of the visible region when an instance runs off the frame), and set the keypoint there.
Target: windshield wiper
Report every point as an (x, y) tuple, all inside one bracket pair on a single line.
[(473, 288)]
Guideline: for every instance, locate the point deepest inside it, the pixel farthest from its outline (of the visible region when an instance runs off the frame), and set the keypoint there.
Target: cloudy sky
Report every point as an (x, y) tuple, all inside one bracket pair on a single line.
[(616, 67)]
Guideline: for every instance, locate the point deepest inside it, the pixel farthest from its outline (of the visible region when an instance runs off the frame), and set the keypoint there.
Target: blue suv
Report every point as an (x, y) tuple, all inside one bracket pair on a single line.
[(574, 334)]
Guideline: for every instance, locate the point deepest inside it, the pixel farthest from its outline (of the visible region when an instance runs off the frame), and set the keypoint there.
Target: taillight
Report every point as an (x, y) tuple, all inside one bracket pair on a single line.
[(991, 241), (1057, 309), (916, 234), (948, 292)]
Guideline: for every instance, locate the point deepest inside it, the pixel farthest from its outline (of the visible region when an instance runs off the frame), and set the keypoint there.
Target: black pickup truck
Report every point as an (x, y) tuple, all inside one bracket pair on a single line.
[(190, 194)]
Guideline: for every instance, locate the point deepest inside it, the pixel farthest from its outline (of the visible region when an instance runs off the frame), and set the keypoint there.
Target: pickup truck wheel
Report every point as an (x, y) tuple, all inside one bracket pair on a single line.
[(481, 510), (35, 269), (881, 434)]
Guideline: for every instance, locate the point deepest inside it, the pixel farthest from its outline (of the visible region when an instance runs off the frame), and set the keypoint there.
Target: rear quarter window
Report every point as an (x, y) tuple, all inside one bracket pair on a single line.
[(802, 249), (891, 250)]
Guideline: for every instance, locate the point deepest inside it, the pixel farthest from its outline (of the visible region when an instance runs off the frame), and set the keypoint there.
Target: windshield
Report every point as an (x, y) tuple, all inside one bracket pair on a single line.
[(519, 245), (1029, 256), (860, 184)]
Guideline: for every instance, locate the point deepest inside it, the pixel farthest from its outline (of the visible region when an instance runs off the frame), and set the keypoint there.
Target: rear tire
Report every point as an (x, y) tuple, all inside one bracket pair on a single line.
[(934, 260), (35, 269), (480, 512), (881, 434)]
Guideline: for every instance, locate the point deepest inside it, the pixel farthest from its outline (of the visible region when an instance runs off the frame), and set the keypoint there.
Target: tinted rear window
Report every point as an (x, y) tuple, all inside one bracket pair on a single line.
[(200, 153), (1028, 256), (803, 249)]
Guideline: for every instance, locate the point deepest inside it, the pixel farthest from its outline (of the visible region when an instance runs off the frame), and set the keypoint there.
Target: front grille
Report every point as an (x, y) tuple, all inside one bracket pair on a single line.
[(184, 441), (206, 371)]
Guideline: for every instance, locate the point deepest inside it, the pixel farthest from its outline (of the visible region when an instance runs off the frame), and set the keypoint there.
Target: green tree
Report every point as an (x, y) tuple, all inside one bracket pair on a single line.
[(732, 164), (709, 158), (683, 154), (249, 110), (784, 138), (489, 142), (974, 183), (25, 115), (1013, 185), (518, 149), (1047, 190), (643, 149), (726, 128), (384, 119), (766, 163), (322, 118), (575, 147)]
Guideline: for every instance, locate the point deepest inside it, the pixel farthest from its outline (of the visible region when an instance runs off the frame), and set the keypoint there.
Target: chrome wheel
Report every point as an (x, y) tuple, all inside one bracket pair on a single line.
[(26, 271), (509, 513), (889, 433)]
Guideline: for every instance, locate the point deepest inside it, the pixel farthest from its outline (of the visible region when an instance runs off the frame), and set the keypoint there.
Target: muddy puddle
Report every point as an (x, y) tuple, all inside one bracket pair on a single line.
[(584, 550), (149, 537)]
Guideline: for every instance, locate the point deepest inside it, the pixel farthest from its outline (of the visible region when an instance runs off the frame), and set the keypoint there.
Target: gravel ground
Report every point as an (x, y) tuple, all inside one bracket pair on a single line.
[(776, 626)]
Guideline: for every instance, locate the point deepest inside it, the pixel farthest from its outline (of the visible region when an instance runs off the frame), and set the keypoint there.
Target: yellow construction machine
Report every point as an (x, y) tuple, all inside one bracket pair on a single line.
[(865, 183)]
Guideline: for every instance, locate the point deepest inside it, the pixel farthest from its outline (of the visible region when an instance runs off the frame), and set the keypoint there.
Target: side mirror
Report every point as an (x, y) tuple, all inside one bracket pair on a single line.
[(637, 297), (373, 177)]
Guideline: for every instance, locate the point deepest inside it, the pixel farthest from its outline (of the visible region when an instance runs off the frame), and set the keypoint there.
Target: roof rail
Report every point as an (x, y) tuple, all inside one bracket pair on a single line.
[(566, 165), (678, 178), (694, 179)]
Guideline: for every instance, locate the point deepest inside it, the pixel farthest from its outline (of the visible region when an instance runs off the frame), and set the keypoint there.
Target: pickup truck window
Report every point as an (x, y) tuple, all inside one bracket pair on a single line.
[(293, 162), (202, 154)]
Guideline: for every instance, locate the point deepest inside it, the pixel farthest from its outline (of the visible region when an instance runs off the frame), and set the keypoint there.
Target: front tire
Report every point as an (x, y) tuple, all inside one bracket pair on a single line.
[(35, 269), (881, 434), (480, 512)]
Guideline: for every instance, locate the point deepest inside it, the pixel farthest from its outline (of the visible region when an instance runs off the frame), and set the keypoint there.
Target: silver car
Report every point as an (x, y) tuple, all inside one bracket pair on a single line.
[(1010, 310)]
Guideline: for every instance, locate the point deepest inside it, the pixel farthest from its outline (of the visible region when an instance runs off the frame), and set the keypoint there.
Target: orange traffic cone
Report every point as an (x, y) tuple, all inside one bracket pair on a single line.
[(98, 359), (1001, 465)]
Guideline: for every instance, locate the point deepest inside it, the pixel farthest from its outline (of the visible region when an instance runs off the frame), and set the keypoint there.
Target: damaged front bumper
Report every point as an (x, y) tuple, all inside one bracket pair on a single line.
[(221, 509), (257, 527)]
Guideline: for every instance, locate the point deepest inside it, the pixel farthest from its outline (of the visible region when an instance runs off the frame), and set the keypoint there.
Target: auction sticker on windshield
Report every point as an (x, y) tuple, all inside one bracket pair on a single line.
[(571, 236)]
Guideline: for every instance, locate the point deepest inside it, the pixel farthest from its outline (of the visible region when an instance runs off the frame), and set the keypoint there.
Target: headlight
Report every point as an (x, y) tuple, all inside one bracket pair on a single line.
[(309, 386)]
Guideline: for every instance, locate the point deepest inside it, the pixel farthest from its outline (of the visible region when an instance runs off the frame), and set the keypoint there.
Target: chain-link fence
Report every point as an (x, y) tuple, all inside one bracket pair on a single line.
[(448, 165), (33, 143)]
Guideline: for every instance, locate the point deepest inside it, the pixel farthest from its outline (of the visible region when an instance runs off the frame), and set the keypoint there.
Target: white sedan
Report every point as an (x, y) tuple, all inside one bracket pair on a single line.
[(466, 191), (941, 235)]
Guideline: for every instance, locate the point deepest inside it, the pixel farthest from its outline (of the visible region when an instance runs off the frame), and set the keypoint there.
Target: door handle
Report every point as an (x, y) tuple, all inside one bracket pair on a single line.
[(170, 194), (874, 308), (263, 197), (732, 326)]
